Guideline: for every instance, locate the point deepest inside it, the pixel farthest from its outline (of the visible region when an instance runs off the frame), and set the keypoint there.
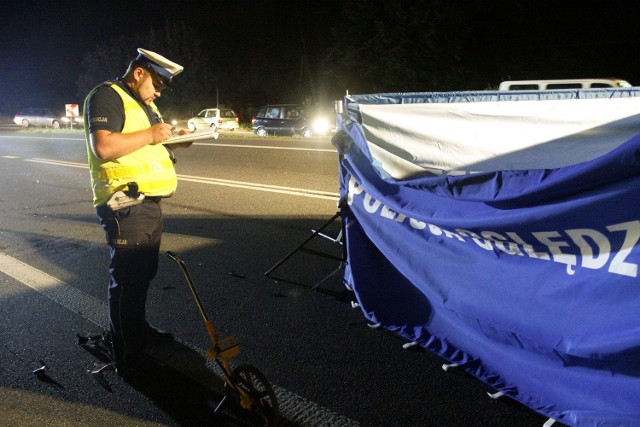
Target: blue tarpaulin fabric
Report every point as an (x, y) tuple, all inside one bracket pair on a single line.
[(526, 278)]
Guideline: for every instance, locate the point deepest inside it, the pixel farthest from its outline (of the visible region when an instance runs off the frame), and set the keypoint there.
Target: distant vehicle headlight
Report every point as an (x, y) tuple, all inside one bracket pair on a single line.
[(320, 126)]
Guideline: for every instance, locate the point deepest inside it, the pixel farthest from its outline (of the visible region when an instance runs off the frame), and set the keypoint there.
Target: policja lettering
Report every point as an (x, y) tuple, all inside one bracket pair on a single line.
[(578, 247)]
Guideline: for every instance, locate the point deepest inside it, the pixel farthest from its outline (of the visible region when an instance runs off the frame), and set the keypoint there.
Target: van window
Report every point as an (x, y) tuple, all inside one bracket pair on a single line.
[(273, 112), (566, 86), (523, 87), (562, 84)]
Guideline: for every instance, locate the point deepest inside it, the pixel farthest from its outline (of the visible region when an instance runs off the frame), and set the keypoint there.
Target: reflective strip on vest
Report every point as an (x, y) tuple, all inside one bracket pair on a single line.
[(128, 172), (150, 166)]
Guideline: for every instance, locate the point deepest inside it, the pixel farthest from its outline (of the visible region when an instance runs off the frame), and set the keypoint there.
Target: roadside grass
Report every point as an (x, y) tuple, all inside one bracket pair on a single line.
[(79, 130)]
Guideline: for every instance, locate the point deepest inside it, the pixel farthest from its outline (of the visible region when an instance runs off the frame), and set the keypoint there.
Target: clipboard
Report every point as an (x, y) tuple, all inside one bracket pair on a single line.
[(191, 137)]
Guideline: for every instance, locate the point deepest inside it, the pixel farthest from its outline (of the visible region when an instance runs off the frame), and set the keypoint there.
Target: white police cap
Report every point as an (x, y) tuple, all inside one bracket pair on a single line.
[(164, 69)]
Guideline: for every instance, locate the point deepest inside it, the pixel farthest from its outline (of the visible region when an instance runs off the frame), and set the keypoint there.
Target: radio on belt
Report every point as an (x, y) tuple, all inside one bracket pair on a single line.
[(124, 198)]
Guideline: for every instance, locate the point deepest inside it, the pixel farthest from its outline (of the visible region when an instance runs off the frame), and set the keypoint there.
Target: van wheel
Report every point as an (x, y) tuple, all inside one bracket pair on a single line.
[(307, 133), (55, 124), (261, 132), (25, 123)]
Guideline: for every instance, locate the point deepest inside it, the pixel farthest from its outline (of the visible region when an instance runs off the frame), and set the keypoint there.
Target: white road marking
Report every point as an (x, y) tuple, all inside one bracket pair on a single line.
[(293, 191), (266, 147), (74, 299), (59, 163), (262, 187), (210, 144)]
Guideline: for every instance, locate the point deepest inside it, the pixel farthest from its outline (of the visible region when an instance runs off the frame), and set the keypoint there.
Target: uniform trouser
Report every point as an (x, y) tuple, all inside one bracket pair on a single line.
[(133, 235)]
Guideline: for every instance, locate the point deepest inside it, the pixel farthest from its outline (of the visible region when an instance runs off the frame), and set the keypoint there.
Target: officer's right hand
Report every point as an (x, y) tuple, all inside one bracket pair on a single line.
[(161, 132)]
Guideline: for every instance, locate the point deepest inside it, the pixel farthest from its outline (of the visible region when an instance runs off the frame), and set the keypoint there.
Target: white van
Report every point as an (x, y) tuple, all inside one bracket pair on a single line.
[(562, 84)]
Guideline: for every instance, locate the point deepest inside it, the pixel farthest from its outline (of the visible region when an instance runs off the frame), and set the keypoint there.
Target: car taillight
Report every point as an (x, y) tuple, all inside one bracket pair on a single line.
[(253, 119), (237, 120), (219, 121)]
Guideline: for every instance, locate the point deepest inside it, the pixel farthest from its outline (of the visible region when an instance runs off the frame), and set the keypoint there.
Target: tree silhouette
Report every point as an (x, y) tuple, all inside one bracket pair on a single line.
[(194, 89), (404, 45), (288, 55)]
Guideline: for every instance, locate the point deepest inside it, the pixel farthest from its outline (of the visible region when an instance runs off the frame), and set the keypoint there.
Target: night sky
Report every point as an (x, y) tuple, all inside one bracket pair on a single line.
[(43, 42), (42, 45)]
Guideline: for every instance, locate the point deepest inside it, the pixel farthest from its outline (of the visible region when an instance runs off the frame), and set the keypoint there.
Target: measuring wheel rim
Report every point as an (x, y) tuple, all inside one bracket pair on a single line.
[(263, 402)]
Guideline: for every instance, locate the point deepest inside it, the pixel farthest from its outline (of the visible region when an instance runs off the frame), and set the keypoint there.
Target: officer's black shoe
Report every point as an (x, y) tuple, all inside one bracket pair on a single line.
[(154, 336), (133, 366)]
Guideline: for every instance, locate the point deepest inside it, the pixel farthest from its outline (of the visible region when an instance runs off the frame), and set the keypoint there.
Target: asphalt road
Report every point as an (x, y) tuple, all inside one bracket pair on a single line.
[(242, 204)]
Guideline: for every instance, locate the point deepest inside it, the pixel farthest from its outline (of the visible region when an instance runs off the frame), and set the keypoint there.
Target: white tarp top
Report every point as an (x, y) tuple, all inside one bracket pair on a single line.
[(493, 131)]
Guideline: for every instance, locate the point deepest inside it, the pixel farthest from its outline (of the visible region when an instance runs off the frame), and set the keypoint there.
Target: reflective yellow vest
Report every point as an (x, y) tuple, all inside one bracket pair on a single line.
[(150, 166)]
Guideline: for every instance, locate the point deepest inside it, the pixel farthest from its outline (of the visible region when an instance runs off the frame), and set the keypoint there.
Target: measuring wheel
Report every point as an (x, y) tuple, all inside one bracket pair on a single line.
[(261, 399)]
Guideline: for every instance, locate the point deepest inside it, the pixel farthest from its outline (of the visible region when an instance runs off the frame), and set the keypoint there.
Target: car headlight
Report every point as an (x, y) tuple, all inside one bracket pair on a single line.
[(320, 126)]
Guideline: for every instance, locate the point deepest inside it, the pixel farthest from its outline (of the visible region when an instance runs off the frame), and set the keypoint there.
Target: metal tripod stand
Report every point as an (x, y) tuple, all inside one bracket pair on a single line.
[(302, 248)]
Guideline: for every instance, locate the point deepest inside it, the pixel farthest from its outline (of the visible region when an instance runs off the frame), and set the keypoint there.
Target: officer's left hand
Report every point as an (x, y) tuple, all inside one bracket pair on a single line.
[(182, 131)]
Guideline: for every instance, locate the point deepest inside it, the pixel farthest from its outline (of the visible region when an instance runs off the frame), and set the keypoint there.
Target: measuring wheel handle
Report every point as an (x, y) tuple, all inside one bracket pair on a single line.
[(252, 392), (246, 385)]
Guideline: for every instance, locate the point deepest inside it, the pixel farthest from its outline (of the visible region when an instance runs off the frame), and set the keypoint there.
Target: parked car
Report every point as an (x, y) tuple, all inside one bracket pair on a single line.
[(37, 117), (288, 119), (217, 118), (282, 119)]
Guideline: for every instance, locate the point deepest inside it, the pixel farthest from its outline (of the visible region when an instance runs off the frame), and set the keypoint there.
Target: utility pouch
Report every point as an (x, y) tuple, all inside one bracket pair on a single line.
[(124, 198)]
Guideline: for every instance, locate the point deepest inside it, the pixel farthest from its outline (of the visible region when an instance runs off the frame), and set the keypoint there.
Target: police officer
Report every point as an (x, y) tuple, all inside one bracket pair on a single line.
[(131, 172)]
